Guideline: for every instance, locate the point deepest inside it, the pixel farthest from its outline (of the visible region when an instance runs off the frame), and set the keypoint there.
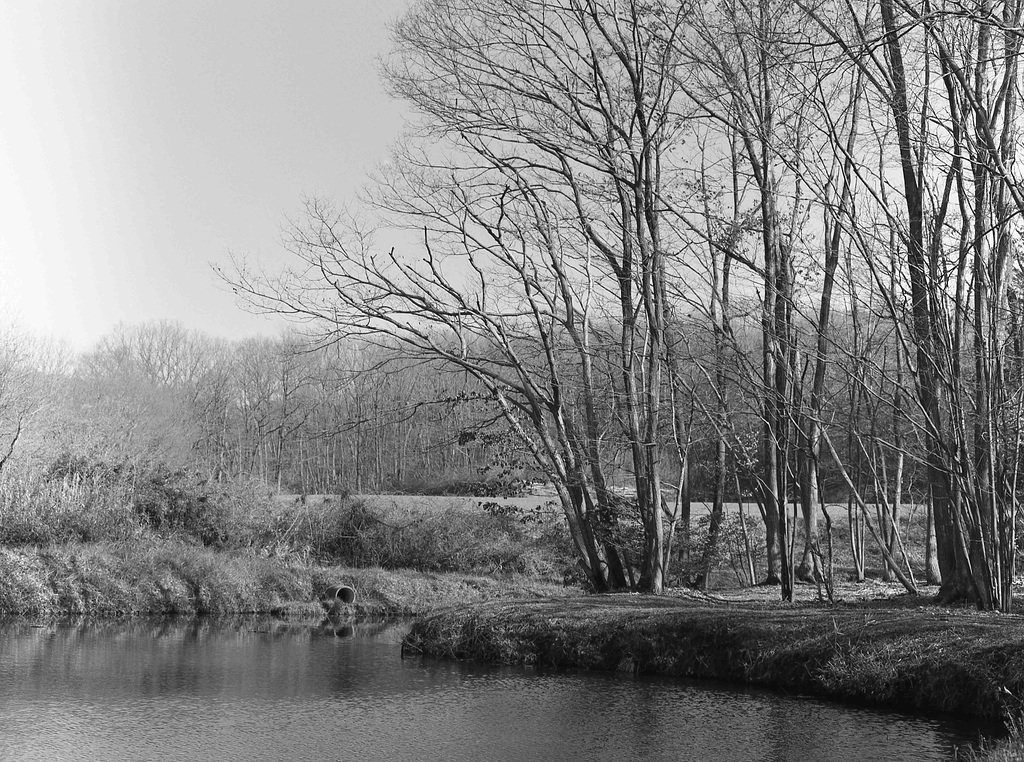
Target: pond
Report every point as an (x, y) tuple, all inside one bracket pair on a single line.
[(263, 690)]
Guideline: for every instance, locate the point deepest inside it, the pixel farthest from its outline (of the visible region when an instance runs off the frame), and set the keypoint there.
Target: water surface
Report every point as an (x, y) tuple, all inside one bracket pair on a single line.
[(258, 690)]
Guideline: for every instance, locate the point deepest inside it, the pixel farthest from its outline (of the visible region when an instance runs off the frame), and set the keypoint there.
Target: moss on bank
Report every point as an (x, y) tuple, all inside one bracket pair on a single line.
[(919, 658), (151, 576)]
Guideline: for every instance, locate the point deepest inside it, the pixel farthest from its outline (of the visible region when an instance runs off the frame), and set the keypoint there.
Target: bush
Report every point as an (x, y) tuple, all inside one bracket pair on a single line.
[(68, 508), (236, 514), (71, 467), (180, 503), (80, 500), (349, 532), (477, 483), (692, 553), (83, 500)]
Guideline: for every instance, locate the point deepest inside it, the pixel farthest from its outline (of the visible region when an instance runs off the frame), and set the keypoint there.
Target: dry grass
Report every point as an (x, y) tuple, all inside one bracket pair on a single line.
[(152, 576), (1009, 749)]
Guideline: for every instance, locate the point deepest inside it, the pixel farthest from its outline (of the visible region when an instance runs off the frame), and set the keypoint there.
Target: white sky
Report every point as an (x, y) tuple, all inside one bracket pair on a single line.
[(142, 140)]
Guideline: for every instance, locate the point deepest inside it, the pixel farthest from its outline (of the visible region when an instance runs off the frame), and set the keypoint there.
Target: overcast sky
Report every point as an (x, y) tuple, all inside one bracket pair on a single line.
[(142, 140)]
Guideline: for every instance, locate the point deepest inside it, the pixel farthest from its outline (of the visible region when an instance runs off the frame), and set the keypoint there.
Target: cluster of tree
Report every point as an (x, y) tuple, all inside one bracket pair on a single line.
[(342, 418), (783, 231)]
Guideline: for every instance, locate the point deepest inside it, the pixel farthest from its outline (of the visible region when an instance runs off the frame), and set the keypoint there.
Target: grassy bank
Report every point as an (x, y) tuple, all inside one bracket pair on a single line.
[(153, 576), (89, 538), (910, 657), (78, 502), (1009, 749)]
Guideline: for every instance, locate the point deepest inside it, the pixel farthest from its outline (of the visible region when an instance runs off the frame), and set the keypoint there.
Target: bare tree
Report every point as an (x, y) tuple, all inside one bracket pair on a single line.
[(949, 78), (30, 370), (548, 124)]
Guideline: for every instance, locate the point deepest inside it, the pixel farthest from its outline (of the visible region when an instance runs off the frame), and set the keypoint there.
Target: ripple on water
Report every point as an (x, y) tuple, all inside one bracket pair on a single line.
[(238, 694)]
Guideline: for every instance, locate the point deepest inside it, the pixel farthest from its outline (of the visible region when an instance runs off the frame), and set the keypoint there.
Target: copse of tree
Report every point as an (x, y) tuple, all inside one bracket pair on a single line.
[(779, 237), (541, 225), (32, 375), (304, 419)]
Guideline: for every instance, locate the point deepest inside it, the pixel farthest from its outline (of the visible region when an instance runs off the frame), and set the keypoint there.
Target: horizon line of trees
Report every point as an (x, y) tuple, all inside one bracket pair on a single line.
[(305, 419)]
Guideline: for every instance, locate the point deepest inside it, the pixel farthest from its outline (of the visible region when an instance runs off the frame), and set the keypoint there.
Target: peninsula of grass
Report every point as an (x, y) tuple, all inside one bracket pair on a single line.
[(900, 655)]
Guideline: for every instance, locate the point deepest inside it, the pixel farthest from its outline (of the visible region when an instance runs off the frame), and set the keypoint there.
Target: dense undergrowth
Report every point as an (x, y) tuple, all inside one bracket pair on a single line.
[(86, 502), (90, 538), (174, 579)]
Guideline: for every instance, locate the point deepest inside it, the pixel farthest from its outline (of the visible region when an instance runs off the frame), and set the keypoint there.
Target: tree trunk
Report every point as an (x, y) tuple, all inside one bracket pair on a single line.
[(931, 561)]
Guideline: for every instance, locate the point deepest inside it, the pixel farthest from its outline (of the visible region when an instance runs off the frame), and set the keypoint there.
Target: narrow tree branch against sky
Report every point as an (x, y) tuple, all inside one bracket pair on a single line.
[(142, 140)]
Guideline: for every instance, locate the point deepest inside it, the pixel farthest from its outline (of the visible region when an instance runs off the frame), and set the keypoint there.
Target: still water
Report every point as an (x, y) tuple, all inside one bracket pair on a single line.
[(259, 690)]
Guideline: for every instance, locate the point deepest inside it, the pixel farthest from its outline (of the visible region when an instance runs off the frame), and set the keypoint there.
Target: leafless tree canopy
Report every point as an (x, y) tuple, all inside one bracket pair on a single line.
[(773, 244)]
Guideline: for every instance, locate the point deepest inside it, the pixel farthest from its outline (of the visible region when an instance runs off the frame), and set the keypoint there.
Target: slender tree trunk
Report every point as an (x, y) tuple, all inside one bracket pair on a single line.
[(929, 386), (931, 561), (720, 326), (748, 553)]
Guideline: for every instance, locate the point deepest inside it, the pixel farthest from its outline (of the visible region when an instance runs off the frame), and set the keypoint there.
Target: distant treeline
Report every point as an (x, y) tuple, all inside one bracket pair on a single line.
[(340, 418), (348, 417)]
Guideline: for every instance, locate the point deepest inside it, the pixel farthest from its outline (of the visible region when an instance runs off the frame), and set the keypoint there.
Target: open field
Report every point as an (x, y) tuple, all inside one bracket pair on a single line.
[(728, 573)]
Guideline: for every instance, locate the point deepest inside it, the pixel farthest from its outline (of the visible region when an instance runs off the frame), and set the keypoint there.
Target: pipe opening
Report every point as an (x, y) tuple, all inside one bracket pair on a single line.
[(342, 593)]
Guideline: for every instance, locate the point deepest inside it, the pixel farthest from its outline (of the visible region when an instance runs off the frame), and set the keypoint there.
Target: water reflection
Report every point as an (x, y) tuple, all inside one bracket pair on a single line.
[(263, 690)]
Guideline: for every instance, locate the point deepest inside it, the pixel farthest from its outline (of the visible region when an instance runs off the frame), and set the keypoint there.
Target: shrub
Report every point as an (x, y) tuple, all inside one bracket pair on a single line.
[(180, 503), (693, 556), (350, 532), (239, 513), (72, 467), (477, 483), (81, 500), (38, 510)]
